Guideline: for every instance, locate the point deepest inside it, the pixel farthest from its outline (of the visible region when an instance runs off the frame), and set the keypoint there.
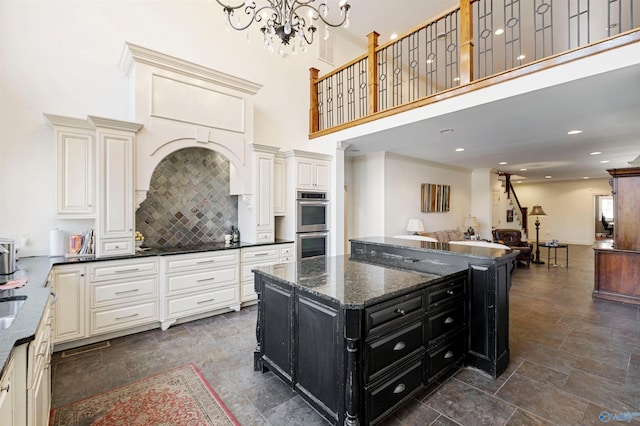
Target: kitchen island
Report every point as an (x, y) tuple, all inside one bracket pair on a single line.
[(357, 340), (357, 336)]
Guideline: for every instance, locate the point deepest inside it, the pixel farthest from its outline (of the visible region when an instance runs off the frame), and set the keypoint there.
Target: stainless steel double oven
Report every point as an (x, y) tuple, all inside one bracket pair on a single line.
[(312, 224)]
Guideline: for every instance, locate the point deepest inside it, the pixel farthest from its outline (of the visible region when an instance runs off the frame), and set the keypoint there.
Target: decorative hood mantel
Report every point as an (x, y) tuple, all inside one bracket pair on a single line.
[(183, 105)]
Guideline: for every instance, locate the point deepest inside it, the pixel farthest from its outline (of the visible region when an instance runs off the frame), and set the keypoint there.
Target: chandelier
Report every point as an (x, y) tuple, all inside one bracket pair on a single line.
[(292, 21)]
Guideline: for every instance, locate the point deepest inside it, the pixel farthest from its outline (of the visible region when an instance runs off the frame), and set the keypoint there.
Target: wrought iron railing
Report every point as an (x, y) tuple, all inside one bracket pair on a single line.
[(479, 39)]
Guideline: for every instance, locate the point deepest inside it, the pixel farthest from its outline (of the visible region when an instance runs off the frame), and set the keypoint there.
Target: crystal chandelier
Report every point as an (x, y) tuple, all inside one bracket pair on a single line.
[(292, 21)]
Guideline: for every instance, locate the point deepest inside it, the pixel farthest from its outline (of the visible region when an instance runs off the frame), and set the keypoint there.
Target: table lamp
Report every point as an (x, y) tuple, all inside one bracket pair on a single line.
[(537, 211), (415, 226)]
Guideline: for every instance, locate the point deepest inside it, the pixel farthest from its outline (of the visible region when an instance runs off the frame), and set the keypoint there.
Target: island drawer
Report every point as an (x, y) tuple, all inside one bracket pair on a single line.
[(399, 309), (443, 356), (386, 352), (445, 294), (390, 392), (442, 323)]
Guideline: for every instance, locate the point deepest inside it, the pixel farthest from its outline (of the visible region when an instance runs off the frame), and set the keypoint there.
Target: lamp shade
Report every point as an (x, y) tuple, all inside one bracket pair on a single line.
[(471, 221), (537, 211), (415, 225)]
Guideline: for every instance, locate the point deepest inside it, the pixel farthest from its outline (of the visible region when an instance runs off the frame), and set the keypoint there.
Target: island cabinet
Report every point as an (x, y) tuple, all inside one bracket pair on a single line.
[(489, 279), (358, 340)]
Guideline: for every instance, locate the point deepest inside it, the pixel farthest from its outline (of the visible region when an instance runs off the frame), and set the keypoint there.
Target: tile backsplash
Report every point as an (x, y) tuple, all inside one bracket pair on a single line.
[(188, 202)]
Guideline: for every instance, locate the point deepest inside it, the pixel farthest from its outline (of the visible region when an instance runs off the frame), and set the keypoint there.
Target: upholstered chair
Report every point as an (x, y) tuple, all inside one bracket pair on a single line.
[(513, 239)]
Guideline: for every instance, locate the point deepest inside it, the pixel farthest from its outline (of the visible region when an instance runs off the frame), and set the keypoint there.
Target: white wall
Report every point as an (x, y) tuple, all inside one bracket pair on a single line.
[(62, 57), (385, 193), (569, 206)]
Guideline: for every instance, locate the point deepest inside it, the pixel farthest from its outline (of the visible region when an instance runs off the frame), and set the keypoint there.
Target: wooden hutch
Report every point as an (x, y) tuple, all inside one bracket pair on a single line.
[(617, 265)]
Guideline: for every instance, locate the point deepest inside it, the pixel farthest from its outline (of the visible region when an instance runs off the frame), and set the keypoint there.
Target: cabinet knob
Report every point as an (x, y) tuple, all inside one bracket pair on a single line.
[(399, 389), (6, 388), (448, 355), (450, 292), (399, 346), (400, 311), (449, 320)]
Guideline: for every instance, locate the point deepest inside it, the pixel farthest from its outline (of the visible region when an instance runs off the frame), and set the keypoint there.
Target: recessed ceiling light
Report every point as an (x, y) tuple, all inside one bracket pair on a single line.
[(523, 170), (456, 79), (429, 61), (502, 163), (604, 161), (585, 177), (574, 132), (393, 36), (547, 177), (459, 149), (595, 153), (519, 181), (499, 31), (608, 27), (441, 36), (445, 131), (520, 57)]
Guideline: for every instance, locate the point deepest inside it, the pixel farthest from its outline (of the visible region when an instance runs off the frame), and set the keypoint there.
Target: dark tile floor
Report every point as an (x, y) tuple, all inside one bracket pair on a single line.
[(572, 358)]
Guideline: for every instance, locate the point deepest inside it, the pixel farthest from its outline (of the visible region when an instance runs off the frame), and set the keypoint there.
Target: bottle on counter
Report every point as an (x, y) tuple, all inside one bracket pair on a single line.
[(235, 235)]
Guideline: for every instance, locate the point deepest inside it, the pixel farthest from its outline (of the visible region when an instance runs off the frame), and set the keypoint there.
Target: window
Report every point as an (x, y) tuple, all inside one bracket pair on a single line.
[(606, 208)]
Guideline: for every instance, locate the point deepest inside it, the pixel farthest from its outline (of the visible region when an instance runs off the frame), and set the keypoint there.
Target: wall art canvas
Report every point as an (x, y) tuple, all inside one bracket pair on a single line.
[(435, 198)]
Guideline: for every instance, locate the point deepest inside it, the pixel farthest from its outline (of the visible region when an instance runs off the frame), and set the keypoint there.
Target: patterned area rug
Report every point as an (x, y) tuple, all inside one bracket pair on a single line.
[(179, 397)]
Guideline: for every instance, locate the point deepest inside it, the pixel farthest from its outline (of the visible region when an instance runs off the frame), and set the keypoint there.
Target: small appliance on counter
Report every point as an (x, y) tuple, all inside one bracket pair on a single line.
[(7, 256)]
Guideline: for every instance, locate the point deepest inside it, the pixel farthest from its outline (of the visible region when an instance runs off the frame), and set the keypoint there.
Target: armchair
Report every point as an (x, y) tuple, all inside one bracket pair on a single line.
[(513, 239)]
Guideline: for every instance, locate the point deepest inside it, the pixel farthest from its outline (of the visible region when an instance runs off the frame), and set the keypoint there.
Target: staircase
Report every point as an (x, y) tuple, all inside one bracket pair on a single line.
[(520, 216)]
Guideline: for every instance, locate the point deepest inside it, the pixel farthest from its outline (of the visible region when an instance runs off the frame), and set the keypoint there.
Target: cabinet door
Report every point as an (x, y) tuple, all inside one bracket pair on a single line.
[(75, 174), (264, 193), (318, 345), (7, 395), (277, 311), (322, 175), (115, 190), (305, 173), (279, 191), (69, 310), (39, 399)]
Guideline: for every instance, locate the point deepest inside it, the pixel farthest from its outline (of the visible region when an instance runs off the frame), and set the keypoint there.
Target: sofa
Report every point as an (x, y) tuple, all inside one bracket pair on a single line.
[(513, 239), (444, 236)]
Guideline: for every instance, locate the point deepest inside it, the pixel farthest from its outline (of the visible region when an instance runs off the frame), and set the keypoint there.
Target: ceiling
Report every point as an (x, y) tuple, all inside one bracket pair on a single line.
[(527, 131)]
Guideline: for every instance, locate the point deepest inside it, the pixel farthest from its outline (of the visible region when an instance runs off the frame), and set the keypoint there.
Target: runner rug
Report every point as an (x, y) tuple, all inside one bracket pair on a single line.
[(178, 397)]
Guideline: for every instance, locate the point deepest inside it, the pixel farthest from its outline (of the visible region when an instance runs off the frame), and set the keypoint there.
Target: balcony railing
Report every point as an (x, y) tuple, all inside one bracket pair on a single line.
[(478, 40)]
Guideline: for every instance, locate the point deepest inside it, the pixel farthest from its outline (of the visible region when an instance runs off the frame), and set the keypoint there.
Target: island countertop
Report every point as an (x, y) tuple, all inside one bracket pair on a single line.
[(354, 283), (427, 246)]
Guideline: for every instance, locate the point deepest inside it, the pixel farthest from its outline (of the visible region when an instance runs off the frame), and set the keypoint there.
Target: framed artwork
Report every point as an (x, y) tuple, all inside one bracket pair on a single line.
[(435, 198), (510, 215)]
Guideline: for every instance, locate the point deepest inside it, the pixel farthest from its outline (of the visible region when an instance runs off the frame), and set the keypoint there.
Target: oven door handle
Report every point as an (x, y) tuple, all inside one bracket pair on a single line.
[(313, 203), (313, 234)]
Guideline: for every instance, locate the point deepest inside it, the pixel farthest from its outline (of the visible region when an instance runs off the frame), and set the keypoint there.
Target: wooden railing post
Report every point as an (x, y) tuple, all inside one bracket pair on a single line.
[(372, 71), (314, 115), (466, 42)]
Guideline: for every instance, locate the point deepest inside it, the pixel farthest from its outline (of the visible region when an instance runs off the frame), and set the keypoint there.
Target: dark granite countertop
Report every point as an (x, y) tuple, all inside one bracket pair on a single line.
[(454, 249), (36, 270), (355, 283)]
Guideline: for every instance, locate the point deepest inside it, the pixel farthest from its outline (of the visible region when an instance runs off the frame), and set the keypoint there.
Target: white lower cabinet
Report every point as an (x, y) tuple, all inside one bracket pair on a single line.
[(68, 281), (123, 294), (8, 407), (39, 372), (199, 283), (253, 257)]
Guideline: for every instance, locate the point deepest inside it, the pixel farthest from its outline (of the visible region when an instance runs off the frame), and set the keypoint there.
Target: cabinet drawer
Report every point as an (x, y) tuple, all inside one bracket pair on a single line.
[(390, 393), (102, 271), (384, 353), (287, 259), (260, 254), (116, 246), (384, 314), (247, 267), (200, 260), (445, 294), (445, 322), (107, 320), (285, 251), (265, 236), (445, 355), (202, 302), (201, 280), (102, 294)]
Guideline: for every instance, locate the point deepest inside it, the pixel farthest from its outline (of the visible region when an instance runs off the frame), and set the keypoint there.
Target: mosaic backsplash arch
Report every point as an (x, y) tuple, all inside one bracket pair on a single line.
[(188, 201)]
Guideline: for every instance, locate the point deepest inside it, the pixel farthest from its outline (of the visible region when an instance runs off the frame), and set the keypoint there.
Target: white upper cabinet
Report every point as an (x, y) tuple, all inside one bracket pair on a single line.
[(313, 171), (75, 167), (279, 187)]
